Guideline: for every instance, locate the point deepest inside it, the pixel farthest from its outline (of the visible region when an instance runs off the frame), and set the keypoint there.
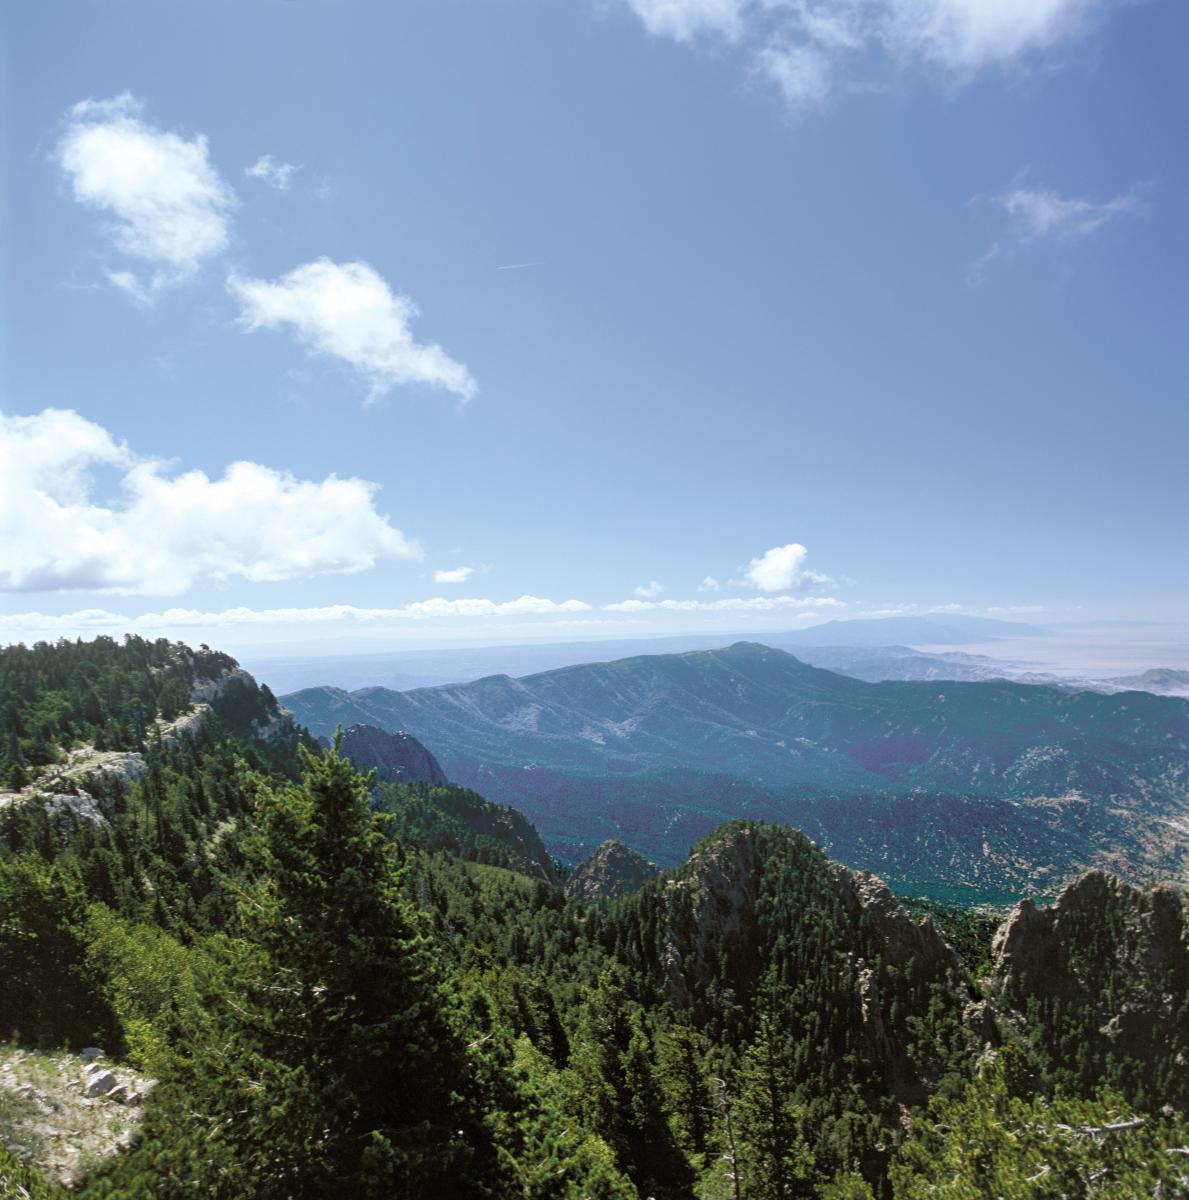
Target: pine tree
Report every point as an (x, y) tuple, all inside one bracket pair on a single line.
[(338, 1070), (775, 1161)]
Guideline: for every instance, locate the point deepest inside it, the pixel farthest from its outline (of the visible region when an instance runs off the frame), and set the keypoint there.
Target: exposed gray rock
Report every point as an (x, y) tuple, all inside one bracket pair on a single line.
[(210, 690), (397, 757), (1109, 949), (100, 1083), (612, 870)]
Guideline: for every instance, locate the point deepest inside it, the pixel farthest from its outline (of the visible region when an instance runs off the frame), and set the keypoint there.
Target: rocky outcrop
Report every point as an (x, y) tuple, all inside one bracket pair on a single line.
[(211, 690), (749, 892), (612, 870), (86, 776), (74, 785), (396, 757), (902, 938), (1115, 957), (64, 1113)]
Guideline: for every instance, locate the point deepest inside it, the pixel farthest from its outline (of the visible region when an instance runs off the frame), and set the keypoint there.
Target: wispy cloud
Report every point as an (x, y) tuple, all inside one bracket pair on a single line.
[(728, 604), (171, 208), (97, 620), (709, 584), (814, 50), (1040, 214), (684, 20), (269, 170), (1043, 213), (167, 532), (348, 310), (453, 575)]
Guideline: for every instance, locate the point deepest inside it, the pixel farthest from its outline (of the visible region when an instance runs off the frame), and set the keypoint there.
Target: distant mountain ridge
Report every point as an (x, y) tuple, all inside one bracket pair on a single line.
[(404, 670), (1162, 680), (799, 739), (928, 629)]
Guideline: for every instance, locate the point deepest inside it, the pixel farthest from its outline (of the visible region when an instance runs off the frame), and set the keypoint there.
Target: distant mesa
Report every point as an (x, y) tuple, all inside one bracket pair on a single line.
[(396, 757), (612, 870)]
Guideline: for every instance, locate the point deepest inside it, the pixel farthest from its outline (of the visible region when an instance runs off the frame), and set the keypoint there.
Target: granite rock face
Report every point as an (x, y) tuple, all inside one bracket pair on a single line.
[(397, 757), (1116, 953), (717, 916), (612, 870)]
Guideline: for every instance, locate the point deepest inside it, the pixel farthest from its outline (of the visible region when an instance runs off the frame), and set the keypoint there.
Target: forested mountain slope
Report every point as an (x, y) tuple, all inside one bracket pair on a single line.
[(335, 1001), (645, 748)]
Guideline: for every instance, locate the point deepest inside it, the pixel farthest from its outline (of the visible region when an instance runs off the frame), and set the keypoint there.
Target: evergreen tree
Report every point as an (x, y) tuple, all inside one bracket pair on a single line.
[(775, 1161)]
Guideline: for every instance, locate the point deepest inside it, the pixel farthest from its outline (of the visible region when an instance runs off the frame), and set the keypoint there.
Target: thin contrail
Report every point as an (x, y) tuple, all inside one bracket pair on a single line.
[(517, 266)]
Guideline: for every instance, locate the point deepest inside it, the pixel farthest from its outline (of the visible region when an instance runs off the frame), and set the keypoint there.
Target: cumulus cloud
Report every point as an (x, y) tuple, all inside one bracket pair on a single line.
[(98, 620), (170, 207), (647, 591), (781, 569), (348, 310), (276, 174), (163, 532), (453, 575), (709, 584), (728, 604), (813, 49), (1041, 213)]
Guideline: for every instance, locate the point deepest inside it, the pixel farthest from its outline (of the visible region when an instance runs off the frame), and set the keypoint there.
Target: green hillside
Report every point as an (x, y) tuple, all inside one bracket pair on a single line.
[(987, 787), (323, 991)]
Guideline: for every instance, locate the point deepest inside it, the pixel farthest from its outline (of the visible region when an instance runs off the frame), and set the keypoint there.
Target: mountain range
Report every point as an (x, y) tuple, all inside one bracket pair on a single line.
[(886, 640), (260, 950), (990, 786)]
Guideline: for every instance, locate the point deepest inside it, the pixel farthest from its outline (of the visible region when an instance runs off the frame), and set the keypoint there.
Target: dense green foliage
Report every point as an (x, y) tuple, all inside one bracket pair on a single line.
[(993, 1142), (104, 693), (968, 930), (438, 817), (345, 991)]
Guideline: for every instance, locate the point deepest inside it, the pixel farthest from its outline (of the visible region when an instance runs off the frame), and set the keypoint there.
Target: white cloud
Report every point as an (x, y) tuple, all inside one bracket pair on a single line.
[(964, 35), (1037, 214), (171, 208), (649, 590), (454, 575), (728, 604), (684, 20), (98, 620), (803, 73), (812, 49), (164, 532), (276, 174), (348, 310), (1040, 213), (709, 584), (781, 569)]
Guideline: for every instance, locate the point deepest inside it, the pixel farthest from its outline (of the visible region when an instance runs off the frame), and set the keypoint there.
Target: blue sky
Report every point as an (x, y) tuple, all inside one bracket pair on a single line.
[(797, 310)]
